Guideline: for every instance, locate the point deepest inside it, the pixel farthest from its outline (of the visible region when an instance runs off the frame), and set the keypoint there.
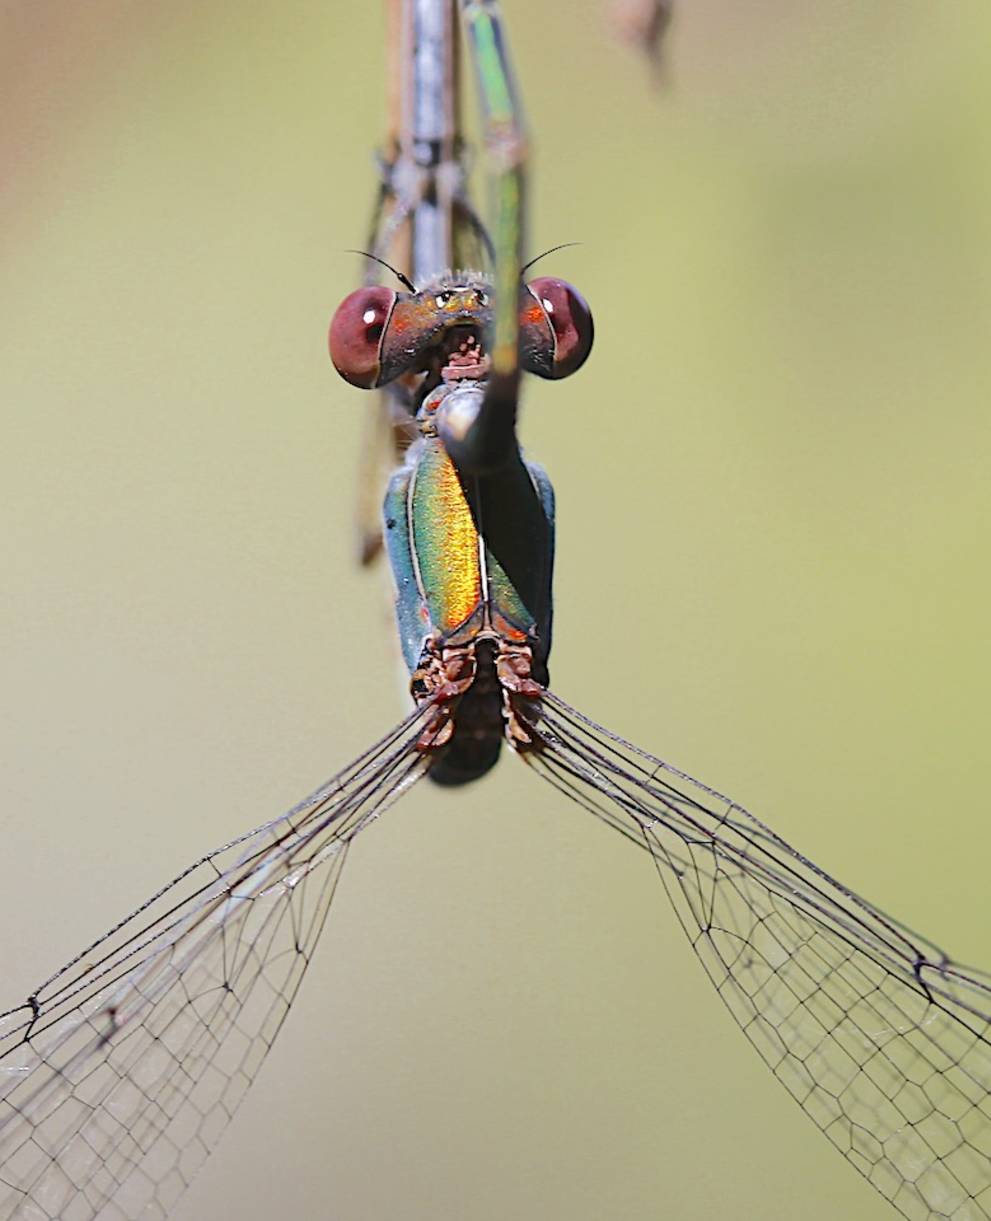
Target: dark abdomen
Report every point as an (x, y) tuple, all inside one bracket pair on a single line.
[(478, 727)]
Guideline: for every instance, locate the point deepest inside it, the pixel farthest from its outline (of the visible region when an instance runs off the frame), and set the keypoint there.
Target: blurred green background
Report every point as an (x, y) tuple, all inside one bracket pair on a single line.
[(772, 565)]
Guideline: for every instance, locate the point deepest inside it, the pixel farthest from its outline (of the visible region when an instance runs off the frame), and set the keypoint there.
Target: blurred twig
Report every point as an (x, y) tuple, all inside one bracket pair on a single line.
[(644, 24)]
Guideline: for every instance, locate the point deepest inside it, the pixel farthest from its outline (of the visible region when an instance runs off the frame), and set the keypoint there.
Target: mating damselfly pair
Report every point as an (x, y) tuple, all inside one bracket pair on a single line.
[(622, 789)]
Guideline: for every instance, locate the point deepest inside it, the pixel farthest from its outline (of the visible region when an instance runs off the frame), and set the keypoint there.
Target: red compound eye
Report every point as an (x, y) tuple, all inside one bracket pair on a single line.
[(570, 321), (356, 332)]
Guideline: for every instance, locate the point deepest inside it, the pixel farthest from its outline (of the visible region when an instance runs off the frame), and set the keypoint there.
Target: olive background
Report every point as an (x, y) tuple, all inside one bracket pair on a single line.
[(773, 513)]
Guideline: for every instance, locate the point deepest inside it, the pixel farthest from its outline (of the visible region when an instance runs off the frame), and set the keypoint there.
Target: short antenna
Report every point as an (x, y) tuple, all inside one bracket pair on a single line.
[(404, 280), (553, 250)]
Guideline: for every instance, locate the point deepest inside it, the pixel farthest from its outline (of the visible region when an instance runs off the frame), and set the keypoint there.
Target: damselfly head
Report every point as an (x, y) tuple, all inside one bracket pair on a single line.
[(377, 333)]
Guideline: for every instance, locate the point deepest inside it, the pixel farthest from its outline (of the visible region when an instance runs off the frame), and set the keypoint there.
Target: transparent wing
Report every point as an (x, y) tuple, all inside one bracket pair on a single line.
[(883, 1041), (119, 1074)]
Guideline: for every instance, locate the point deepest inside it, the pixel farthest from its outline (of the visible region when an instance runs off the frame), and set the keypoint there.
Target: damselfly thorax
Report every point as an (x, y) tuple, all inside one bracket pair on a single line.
[(471, 552)]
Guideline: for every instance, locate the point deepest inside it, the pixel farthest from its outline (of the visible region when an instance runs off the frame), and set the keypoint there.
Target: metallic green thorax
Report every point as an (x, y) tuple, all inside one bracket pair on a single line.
[(472, 556)]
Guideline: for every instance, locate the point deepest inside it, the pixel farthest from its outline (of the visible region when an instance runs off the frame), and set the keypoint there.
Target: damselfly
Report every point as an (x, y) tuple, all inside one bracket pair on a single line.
[(879, 1038)]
